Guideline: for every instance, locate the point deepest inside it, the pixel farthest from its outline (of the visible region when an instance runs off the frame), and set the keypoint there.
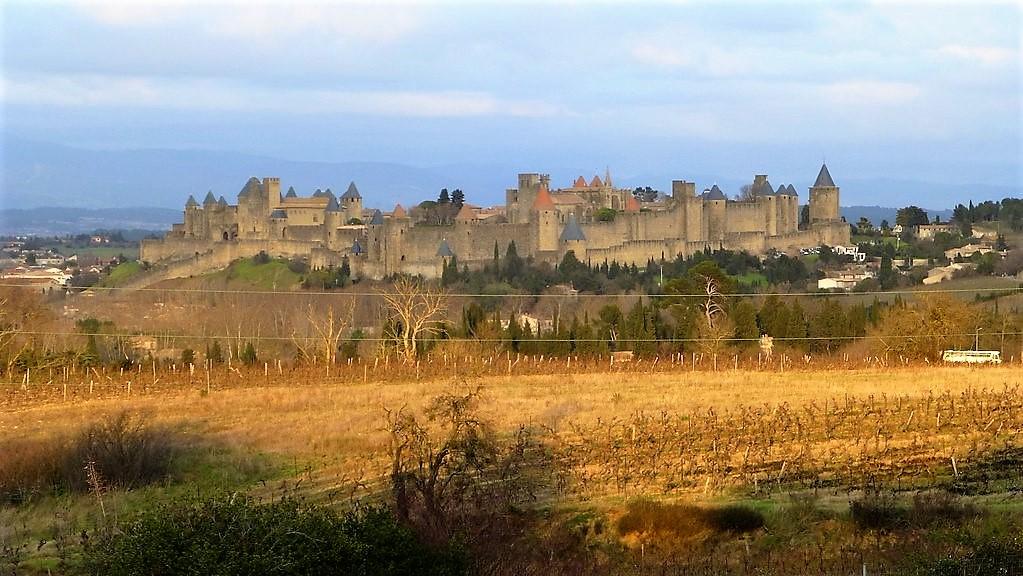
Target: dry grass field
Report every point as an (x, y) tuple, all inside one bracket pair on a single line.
[(671, 434), (336, 427)]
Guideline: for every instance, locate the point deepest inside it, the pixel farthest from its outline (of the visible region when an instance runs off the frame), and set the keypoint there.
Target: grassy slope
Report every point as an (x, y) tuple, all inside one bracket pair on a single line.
[(245, 273), (122, 273)]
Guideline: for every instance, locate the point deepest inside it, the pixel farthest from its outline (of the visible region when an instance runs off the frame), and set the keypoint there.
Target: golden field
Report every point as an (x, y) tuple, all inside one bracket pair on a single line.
[(333, 428)]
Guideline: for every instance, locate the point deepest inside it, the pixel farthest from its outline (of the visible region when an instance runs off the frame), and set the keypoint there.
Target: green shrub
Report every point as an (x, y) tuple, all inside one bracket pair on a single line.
[(235, 535)]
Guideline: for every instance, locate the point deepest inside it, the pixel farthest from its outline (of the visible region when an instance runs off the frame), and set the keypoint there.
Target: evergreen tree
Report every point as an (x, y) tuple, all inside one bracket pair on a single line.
[(214, 353), (248, 355), (458, 198), (444, 198), (744, 320), (513, 264), (796, 326), (514, 333), (346, 269)]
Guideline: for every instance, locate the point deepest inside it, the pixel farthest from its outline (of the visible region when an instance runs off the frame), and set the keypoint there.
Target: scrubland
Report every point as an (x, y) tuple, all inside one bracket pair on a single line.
[(631, 448)]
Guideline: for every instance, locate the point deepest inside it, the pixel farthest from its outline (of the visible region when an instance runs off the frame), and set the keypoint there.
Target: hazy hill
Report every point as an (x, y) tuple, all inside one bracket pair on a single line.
[(41, 174)]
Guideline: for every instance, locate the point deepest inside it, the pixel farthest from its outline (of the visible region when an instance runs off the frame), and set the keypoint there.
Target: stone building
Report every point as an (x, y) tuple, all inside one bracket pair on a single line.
[(594, 219)]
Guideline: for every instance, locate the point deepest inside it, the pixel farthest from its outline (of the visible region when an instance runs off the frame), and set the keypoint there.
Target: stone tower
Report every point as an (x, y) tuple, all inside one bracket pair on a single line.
[(351, 202), (545, 216), (715, 212), (824, 199)]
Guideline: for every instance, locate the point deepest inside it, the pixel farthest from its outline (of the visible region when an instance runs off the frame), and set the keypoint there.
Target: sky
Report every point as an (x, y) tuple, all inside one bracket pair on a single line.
[(912, 90)]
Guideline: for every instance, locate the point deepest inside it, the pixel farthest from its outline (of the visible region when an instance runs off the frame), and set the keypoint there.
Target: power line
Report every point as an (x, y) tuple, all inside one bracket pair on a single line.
[(587, 295)]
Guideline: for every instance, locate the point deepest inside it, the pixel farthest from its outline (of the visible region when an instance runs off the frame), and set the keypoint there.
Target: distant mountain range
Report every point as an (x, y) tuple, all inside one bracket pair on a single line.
[(57, 221), (42, 175)]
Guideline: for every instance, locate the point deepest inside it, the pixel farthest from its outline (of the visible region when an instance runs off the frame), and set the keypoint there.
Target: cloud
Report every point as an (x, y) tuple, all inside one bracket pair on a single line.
[(708, 60), (870, 93), (267, 22), (218, 95), (985, 55)]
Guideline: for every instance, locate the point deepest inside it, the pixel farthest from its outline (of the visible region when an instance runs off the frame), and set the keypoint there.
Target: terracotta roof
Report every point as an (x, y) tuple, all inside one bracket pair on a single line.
[(596, 183), (399, 212), (631, 204), (580, 182), (567, 198), (466, 213), (543, 199)]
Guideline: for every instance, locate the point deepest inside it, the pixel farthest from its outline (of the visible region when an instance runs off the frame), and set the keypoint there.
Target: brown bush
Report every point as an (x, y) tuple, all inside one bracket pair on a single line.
[(684, 522), (124, 450)]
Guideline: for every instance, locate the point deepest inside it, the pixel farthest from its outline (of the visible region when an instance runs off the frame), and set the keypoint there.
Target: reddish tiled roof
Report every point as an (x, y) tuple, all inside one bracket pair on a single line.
[(631, 204), (399, 212), (596, 183), (580, 182), (543, 199), (466, 213)]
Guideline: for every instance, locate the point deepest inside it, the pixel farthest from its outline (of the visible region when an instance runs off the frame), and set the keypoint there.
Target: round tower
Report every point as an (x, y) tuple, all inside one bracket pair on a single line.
[(824, 199), (545, 216)]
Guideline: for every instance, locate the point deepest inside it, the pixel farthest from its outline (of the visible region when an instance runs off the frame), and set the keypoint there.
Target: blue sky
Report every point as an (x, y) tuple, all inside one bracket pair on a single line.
[(912, 90)]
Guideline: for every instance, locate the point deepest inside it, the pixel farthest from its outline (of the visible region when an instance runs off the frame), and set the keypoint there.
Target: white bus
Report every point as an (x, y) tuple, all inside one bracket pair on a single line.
[(972, 356)]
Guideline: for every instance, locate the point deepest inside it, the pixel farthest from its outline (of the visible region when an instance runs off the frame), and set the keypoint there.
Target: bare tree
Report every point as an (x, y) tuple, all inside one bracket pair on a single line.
[(326, 329), (746, 194), (715, 328), (416, 310)]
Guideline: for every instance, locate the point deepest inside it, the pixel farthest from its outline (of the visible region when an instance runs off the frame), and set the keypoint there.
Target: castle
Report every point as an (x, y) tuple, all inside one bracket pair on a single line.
[(596, 220)]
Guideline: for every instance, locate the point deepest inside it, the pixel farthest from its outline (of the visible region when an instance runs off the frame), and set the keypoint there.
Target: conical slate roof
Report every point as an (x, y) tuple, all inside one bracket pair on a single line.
[(191, 202), (352, 193), (251, 187), (328, 193), (357, 248), (824, 178), (572, 230), (318, 193), (291, 193), (792, 190), (543, 199), (716, 193), (377, 219), (444, 251), (332, 205), (222, 202), (209, 199)]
